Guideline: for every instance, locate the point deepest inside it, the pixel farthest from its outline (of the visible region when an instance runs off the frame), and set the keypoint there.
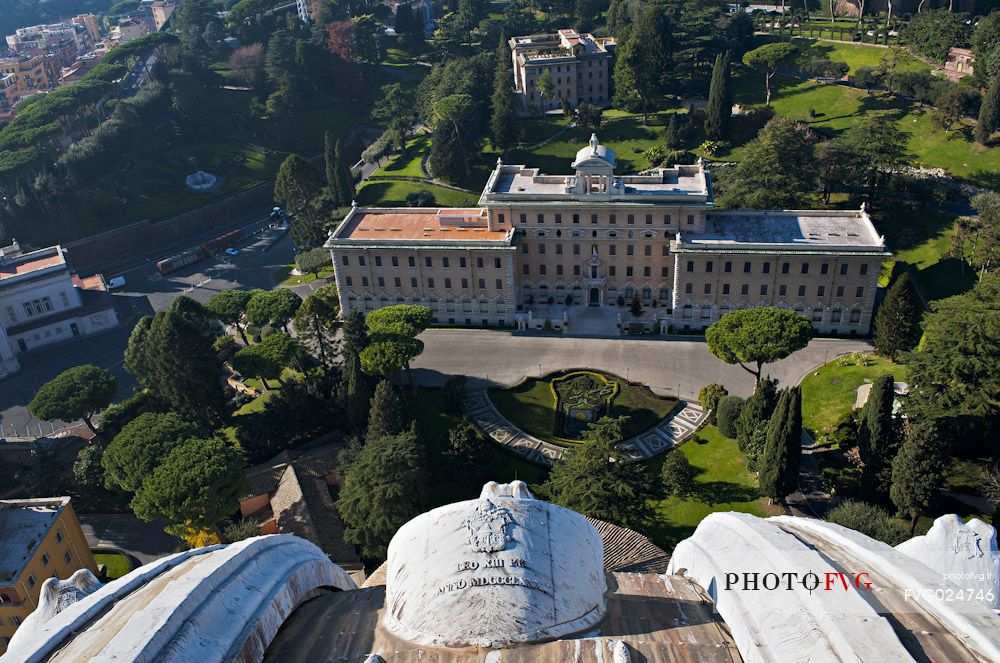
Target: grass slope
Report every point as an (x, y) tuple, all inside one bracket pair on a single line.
[(829, 392), (722, 484)]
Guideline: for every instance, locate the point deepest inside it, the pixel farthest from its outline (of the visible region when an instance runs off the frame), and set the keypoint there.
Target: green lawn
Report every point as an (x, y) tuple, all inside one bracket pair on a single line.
[(829, 392), (283, 276), (855, 55), (392, 193), (531, 407), (118, 565), (835, 108), (435, 417), (408, 162), (921, 238), (722, 484)]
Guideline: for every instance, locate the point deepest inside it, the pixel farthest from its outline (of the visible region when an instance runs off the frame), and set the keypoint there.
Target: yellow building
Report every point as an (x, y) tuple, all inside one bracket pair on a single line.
[(39, 539)]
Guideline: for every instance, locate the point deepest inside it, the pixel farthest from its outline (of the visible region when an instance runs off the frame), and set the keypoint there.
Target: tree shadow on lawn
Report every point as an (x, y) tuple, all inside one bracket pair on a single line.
[(945, 278), (908, 226), (724, 492)]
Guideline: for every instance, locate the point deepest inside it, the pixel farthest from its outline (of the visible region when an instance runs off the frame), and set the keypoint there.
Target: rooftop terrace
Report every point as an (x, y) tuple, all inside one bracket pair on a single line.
[(522, 182), (415, 224), (23, 525), (25, 263), (807, 229)]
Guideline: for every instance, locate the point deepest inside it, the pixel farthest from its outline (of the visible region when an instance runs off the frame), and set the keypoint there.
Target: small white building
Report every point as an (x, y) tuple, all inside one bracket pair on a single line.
[(43, 301)]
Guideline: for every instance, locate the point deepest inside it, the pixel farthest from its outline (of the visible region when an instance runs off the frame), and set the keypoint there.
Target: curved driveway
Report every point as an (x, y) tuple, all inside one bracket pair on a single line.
[(668, 366)]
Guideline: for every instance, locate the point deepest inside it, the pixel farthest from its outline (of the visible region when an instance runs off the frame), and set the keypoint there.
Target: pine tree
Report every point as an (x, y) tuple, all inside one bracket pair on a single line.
[(503, 121), (344, 190), (897, 325), (386, 414), (383, 488), (989, 112), (597, 479), (877, 438), (782, 450), (756, 410), (357, 383), (918, 470), (720, 102)]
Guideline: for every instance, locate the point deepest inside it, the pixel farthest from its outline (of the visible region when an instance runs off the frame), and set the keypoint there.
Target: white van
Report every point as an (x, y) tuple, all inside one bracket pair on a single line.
[(116, 282)]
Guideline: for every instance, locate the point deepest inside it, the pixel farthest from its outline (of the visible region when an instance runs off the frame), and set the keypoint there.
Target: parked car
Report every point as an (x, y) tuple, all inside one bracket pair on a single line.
[(116, 282), (277, 213), (233, 252)]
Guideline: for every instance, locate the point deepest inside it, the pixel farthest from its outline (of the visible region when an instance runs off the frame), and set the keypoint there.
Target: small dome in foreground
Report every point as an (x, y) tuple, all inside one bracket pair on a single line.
[(492, 572)]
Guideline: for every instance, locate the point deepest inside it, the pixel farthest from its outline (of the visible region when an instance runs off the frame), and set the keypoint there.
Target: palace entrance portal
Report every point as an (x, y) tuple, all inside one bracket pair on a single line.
[(595, 297)]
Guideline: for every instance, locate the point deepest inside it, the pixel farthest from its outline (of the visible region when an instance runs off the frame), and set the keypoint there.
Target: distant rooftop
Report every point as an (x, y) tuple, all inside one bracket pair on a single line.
[(18, 264), (519, 181), (416, 224), (565, 43), (807, 229), (23, 525)]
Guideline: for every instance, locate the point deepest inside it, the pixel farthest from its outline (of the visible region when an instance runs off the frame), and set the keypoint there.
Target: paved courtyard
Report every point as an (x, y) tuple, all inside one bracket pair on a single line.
[(671, 367)]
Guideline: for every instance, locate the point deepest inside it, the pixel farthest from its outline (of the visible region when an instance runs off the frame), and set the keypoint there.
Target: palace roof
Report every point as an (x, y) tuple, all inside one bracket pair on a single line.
[(416, 224), (813, 230)]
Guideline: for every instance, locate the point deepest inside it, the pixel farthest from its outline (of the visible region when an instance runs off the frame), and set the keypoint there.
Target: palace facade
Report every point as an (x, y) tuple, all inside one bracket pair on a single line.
[(538, 242), (580, 66)]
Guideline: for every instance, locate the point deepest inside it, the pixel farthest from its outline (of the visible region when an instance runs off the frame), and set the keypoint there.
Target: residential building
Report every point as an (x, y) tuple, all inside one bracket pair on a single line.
[(90, 24), (597, 239), (43, 301), (41, 37), (30, 74), (161, 11), (580, 66), (128, 29), (291, 494), (8, 94), (39, 539)]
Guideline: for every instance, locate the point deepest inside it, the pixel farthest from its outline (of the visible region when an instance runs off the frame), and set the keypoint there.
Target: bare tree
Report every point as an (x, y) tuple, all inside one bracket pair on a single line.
[(990, 489)]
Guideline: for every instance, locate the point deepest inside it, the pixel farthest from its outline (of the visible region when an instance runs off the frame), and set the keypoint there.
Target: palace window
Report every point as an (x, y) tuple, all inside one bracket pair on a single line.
[(802, 291), (708, 266), (843, 269), (688, 288), (745, 289), (864, 269), (840, 291), (381, 282), (725, 288), (525, 269), (647, 250), (628, 271), (708, 288), (805, 268), (479, 263), (763, 290), (690, 219), (824, 268), (461, 262), (690, 266), (630, 250), (664, 271), (860, 293), (784, 267), (496, 263), (727, 267), (649, 219), (413, 282), (412, 261), (429, 262), (646, 271), (541, 218), (399, 282), (746, 268), (630, 219), (430, 283), (345, 261), (576, 218), (820, 291), (378, 261), (395, 261), (558, 218)]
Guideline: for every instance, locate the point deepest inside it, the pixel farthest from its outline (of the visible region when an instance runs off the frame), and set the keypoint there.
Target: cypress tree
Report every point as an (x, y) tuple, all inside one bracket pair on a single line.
[(782, 450), (720, 103), (386, 414), (357, 384), (503, 120), (672, 135), (877, 439), (989, 112), (344, 191), (330, 158), (897, 324), (756, 410), (794, 438), (918, 470)]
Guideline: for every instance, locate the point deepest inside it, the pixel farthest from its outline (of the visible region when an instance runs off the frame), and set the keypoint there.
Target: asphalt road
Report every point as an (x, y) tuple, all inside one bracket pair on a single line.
[(667, 366), (146, 542), (145, 292)]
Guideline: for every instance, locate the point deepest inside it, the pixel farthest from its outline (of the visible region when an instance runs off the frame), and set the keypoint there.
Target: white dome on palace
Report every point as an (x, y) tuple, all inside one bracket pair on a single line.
[(594, 151), (494, 571)]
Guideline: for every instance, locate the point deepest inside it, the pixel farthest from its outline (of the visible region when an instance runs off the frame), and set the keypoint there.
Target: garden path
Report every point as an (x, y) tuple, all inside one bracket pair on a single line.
[(669, 432)]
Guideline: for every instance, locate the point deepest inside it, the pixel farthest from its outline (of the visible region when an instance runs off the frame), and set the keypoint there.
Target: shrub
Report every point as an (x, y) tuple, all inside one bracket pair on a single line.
[(869, 520), (224, 345), (245, 529), (727, 414), (710, 395), (454, 393), (843, 433), (420, 199), (677, 474)]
